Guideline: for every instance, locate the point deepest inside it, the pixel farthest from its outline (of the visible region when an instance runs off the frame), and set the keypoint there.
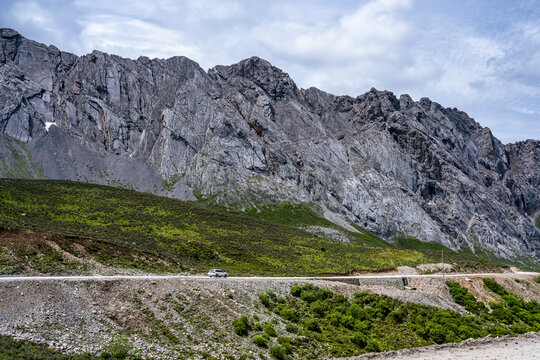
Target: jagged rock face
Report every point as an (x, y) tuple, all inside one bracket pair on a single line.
[(246, 134)]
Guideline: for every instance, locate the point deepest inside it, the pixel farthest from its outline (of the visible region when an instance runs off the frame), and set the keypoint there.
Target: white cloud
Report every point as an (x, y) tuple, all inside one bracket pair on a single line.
[(31, 12), (525, 110), (368, 46), (133, 38)]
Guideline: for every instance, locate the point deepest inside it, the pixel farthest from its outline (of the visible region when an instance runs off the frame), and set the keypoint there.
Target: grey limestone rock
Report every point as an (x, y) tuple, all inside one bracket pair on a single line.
[(246, 134)]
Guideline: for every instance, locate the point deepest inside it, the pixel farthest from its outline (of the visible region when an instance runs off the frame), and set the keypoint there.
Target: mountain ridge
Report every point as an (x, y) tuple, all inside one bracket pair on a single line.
[(246, 134)]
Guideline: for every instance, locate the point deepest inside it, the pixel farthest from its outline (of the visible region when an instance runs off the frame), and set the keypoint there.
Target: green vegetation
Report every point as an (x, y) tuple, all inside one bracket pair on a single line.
[(190, 236), (168, 184), (288, 214), (260, 341), (304, 215), (269, 330), (60, 254), (15, 349), (22, 165), (462, 297), (241, 326), (184, 234), (409, 242), (327, 324), (537, 222), (512, 316), (495, 287)]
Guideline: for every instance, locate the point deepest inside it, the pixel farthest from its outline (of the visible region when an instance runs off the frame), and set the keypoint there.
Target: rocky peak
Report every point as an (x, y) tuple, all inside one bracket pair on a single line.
[(259, 72), (244, 133)]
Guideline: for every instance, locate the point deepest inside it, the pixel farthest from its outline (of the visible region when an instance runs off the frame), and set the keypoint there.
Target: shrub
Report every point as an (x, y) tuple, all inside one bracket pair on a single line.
[(359, 339), (363, 326), (334, 319), (308, 296), (260, 341), (373, 345), (312, 325), (498, 331), (296, 291), (347, 321), (436, 332), (269, 329), (265, 300), (396, 316), (291, 328), (289, 314), (462, 297), (519, 328), (501, 313), (285, 343), (495, 287), (318, 308), (241, 326), (258, 327), (357, 312), (278, 352)]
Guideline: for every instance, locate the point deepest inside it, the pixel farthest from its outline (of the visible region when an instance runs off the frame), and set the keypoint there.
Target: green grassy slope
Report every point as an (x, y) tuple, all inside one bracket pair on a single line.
[(190, 235)]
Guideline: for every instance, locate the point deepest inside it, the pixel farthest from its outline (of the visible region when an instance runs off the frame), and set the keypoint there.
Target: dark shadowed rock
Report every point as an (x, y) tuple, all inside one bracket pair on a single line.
[(246, 134)]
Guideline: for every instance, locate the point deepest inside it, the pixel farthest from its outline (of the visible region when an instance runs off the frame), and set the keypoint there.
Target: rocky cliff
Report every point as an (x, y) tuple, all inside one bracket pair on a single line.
[(246, 134)]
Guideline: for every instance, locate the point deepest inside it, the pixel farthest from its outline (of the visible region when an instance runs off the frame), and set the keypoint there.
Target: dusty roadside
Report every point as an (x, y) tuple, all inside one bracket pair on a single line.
[(179, 316), (523, 347)]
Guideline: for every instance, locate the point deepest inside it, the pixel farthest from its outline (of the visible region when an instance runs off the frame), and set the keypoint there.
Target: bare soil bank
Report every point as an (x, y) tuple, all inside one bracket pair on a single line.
[(193, 316)]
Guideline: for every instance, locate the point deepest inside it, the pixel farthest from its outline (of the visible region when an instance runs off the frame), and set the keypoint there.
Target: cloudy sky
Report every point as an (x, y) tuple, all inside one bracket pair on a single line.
[(480, 56)]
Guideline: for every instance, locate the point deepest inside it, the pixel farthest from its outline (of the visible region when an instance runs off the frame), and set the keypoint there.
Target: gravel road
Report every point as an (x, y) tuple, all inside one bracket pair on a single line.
[(252, 278)]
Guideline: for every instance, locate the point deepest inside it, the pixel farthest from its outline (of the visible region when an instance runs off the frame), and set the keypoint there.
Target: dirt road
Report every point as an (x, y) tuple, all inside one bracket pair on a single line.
[(252, 278)]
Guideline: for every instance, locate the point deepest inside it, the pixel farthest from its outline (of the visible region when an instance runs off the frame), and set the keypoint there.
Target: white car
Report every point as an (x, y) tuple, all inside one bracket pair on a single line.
[(217, 273)]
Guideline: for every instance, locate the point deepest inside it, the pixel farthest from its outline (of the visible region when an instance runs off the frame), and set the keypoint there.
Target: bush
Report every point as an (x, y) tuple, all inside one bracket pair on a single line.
[(289, 314), (285, 343), (278, 352), (260, 341), (436, 332), (357, 312), (241, 326), (313, 325), (373, 345), (269, 329), (347, 321), (501, 313), (396, 316), (308, 296), (495, 287), (296, 291), (363, 326), (462, 297), (291, 328), (258, 327), (318, 308), (359, 339), (265, 300)]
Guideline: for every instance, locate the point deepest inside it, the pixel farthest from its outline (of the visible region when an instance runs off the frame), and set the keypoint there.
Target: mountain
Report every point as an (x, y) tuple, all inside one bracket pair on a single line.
[(245, 134)]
